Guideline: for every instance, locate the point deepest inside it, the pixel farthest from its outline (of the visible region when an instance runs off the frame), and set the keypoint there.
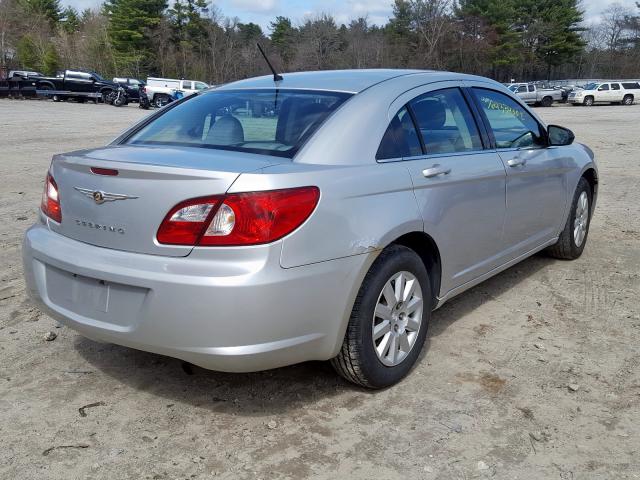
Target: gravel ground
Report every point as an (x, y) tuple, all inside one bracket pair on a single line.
[(532, 374)]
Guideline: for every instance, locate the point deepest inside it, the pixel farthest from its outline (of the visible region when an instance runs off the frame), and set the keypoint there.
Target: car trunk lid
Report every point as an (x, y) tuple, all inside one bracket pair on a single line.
[(123, 211)]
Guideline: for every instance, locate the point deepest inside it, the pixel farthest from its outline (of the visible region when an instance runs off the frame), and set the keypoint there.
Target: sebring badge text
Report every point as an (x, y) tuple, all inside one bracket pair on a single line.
[(99, 226)]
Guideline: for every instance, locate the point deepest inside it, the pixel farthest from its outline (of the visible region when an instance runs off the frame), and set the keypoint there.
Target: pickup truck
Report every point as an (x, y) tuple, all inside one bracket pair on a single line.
[(74, 84), (532, 95), (160, 90), (624, 93)]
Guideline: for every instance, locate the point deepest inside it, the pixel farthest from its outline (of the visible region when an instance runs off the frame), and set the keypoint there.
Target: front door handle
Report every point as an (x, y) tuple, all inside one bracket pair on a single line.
[(517, 162), (435, 170)]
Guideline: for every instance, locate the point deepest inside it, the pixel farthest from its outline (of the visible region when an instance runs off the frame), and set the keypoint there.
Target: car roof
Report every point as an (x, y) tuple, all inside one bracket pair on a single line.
[(352, 81)]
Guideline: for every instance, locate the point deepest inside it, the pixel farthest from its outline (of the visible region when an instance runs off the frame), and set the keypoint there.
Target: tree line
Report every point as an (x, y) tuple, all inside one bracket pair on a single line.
[(502, 39)]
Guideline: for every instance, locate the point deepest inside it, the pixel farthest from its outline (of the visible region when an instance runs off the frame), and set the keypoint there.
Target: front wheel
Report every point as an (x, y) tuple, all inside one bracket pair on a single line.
[(119, 101), (588, 101), (573, 237), (388, 322)]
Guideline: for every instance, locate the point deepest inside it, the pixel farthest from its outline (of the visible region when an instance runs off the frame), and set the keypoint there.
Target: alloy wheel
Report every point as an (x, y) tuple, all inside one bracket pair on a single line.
[(581, 219), (397, 318)]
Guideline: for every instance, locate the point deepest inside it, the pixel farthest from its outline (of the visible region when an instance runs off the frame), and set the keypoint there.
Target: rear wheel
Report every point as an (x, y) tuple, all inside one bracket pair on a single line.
[(588, 101), (388, 322), (627, 100), (547, 102), (573, 238), (160, 100)]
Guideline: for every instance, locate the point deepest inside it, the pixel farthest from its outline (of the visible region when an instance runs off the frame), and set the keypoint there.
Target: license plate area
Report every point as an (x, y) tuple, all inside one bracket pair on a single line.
[(97, 299)]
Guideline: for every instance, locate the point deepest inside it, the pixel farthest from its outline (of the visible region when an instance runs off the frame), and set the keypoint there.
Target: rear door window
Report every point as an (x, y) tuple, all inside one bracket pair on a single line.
[(532, 88), (511, 124), (267, 121), (401, 139), (445, 122), (615, 86)]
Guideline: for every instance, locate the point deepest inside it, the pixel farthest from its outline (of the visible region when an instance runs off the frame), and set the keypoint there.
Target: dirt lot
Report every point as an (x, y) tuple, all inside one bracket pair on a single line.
[(493, 396)]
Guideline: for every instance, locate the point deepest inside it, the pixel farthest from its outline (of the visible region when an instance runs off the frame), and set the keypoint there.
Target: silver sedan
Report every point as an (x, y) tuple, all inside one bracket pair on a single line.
[(319, 217)]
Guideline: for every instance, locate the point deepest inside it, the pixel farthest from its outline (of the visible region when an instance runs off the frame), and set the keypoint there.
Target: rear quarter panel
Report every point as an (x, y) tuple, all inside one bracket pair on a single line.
[(362, 208)]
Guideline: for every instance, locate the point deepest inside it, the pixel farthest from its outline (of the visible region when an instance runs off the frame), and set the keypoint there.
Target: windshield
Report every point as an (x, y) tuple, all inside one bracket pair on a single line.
[(513, 88), (591, 86), (271, 122)]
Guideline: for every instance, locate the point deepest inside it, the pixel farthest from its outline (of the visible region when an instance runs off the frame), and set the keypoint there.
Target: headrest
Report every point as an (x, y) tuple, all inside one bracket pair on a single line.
[(227, 130), (431, 114)]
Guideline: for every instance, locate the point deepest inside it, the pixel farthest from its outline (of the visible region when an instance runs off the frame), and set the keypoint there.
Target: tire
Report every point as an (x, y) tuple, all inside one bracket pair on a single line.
[(119, 101), (627, 100), (588, 101), (566, 248), (160, 100), (56, 98), (358, 360), (547, 102)]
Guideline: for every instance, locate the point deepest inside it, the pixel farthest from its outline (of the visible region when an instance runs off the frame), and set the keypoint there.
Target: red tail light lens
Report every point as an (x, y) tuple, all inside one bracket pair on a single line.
[(50, 205), (236, 219)]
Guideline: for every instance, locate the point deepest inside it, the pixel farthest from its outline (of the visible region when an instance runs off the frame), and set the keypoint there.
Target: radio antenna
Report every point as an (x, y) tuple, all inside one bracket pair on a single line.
[(276, 76)]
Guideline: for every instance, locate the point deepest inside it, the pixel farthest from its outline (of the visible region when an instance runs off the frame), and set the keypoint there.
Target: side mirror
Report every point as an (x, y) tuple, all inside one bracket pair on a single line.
[(559, 136)]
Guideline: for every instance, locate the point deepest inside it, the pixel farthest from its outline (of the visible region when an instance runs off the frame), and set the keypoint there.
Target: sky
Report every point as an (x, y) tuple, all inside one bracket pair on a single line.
[(377, 11)]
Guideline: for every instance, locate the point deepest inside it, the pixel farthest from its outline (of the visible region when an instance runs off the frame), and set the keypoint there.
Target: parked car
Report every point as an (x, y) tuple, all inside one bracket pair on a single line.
[(624, 93), (330, 230), (76, 84), (160, 90), (132, 86), (531, 94)]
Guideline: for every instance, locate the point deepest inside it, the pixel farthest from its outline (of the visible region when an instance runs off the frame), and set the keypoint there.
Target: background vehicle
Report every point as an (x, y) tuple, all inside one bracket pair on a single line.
[(75, 84), (132, 86), (329, 230), (532, 95), (143, 100), (161, 90), (23, 74), (606, 92), (119, 97)]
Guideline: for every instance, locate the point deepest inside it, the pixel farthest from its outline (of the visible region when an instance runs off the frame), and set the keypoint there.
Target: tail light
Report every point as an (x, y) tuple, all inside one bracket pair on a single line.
[(50, 205), (236, 219)]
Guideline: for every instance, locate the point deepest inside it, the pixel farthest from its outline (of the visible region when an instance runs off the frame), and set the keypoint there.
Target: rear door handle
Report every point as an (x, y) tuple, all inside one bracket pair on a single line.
[(517, 162), (435, 170)]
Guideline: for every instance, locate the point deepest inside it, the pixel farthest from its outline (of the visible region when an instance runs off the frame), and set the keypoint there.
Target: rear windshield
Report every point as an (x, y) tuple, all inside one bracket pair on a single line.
[(272, 121)]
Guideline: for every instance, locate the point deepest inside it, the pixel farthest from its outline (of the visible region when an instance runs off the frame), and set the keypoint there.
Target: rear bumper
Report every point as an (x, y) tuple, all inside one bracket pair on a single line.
[(237, 313)]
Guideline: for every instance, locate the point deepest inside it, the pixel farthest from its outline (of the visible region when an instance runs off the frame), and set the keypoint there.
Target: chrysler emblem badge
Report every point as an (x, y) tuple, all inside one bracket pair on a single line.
[(100, 197)]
